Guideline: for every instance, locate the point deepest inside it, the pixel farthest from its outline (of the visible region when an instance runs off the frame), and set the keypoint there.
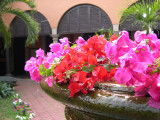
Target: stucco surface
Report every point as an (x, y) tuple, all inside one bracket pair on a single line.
[(53, 10)]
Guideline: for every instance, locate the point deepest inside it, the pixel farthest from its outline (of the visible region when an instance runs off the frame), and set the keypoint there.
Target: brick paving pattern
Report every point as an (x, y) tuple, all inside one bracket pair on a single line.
[(44, 107)]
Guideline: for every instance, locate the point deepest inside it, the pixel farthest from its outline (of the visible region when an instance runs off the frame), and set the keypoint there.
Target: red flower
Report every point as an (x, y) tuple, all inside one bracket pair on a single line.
[(92, 60), (88, 84), (113, 37), (74, 88), (97, 44), (73, 57), (60, 70), (112, 72), (100, 73), (80, 83), (79, 76)]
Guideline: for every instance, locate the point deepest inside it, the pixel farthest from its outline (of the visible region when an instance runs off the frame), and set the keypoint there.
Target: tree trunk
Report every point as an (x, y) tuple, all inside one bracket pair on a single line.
[(149, 29)]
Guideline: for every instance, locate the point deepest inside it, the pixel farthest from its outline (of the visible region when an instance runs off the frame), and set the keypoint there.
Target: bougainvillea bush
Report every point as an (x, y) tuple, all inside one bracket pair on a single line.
[(133, 63)]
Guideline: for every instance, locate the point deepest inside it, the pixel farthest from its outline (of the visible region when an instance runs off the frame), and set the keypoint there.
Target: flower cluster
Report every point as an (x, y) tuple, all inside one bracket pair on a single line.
[(139, 63), (80, 65), (134, 63), (22, 108)]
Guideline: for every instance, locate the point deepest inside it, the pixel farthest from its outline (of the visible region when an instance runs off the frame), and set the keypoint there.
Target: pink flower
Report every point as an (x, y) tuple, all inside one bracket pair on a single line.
[(154, 42), (143, 54), (39, 53), (124, 40), (64, 41), (39, 61), (101, 36), (156, 54), (50, 57), (111, 52), (50, 81), (143, 87), (155, 89), (34, 73), (80, 41), (55, 47), (46, 64), (118, 47), (60, 49), (139, 36), (153, 103), (30, 64), (141, 90), (123, 76)]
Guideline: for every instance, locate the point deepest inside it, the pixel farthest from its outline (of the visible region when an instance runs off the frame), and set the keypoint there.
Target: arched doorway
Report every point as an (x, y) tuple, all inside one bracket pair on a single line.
[(83, 20), (20, 53)]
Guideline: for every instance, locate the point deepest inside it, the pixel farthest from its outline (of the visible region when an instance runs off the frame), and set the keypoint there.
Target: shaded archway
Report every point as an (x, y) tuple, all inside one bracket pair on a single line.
[(20, 53), (2, 57), (82, 19)]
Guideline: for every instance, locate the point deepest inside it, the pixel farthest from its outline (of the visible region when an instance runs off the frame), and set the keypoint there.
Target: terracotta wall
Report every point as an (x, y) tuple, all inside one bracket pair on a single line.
[(53, 10)]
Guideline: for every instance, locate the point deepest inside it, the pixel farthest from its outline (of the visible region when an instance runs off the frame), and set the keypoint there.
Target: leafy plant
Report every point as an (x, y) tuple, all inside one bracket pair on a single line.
[(102, 32), (32, 25), (6, 112), (5, 90), (143, 13)]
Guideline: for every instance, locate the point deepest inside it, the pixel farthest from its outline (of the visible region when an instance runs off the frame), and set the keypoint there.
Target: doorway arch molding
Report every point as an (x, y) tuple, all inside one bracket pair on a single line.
[(84, 18), (19, 28)]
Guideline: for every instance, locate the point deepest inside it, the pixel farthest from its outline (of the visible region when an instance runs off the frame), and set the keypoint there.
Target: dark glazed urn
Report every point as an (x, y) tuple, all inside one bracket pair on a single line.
[(109, 101)]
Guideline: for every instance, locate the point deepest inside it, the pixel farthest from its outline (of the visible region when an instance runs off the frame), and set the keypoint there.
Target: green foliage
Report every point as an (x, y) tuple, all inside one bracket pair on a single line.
[(89, 68), (5, 90), (6, 111), (74, 45), (32, 25), (110, 33), (102, 32), (70, 72), (157, 66), (108, 67), (46, 72), (42, 70), (143, 13)]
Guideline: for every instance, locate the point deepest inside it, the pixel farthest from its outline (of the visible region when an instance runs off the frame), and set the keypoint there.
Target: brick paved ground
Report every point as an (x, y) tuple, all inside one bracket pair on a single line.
[(44, 107)]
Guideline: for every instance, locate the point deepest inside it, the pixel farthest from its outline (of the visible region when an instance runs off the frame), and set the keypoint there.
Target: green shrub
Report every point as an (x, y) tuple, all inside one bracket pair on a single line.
[(6, 90)]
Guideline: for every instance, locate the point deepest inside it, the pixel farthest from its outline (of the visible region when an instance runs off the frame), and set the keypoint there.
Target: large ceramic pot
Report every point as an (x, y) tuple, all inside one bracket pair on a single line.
[(109, 101)]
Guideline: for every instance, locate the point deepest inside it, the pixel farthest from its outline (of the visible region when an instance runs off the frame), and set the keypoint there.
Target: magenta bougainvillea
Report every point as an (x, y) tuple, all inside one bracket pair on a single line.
[(133, 63)]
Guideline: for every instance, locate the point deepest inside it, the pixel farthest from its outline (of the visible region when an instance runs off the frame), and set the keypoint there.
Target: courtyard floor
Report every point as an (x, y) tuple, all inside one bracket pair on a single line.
[(44, 107)]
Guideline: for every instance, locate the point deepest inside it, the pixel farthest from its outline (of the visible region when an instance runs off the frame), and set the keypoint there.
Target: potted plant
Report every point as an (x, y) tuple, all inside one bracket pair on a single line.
[(99, 79)]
